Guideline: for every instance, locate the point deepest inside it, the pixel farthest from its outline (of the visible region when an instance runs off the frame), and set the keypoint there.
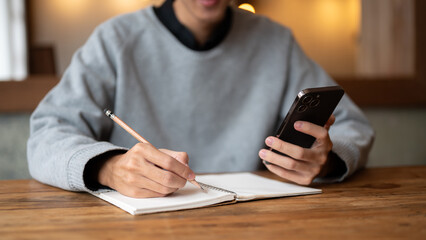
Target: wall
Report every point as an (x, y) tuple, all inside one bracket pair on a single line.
[(388, 45), (67, 24), (400, 140), (327, 29)]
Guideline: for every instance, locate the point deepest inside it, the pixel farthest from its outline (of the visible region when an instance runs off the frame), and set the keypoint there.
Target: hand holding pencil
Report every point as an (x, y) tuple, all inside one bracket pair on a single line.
[(145, 171)]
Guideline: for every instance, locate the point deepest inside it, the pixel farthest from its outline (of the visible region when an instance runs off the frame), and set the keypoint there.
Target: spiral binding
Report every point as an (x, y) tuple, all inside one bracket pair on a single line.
[(215, 188)]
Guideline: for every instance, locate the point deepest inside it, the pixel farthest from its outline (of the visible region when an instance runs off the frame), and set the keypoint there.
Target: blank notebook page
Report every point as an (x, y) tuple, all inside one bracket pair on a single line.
[(249, 186)]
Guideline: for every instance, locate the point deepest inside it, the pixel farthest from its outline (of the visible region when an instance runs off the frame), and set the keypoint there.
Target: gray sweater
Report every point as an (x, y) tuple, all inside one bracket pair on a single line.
[(218, 105)]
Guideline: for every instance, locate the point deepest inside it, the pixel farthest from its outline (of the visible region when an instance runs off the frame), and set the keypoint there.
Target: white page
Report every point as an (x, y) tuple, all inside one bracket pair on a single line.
[(188, 197), (249, 186)]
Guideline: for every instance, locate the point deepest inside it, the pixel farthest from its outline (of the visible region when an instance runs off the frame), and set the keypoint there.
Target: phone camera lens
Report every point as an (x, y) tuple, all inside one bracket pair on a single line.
[(302, 108), (307, 100), (314, 103)]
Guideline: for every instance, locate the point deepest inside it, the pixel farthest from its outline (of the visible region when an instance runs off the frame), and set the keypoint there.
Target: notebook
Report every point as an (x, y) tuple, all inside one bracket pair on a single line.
[(218, 189)]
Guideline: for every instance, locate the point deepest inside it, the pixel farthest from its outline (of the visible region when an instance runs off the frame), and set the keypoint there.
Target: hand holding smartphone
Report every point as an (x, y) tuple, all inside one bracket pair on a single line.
[(303, 163), (313, 105)]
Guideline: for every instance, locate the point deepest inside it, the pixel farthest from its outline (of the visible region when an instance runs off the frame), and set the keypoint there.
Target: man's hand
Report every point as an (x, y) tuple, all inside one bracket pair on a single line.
[(303, 164), (145, 171)]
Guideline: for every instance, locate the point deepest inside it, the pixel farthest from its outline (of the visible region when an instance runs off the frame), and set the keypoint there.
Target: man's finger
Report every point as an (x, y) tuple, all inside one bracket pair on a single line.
[(330, 122), (180, 156), (166, 161), (283, 161), (289, 175), (314, 130), (146, 183), (163, 177), (290, 149)]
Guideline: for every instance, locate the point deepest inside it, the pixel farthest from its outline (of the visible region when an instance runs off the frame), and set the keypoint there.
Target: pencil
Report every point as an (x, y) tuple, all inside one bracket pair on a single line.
[(136, 135)]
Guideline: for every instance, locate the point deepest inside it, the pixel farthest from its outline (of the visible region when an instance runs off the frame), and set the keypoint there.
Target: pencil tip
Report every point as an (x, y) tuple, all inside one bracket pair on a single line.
[(199, 185), (196, 184)]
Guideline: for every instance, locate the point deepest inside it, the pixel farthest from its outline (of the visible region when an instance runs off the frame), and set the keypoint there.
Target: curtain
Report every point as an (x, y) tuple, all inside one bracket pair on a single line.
[(13, 43)]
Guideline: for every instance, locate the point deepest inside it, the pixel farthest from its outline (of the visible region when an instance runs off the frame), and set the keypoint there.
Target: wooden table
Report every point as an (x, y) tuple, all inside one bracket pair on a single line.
[(386, 203)]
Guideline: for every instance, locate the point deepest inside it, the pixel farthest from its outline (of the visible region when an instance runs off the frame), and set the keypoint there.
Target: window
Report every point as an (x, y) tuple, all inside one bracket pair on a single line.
[(13, 46)]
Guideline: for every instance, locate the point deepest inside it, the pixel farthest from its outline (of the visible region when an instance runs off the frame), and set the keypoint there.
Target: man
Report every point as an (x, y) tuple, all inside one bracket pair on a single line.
[(195, 76)]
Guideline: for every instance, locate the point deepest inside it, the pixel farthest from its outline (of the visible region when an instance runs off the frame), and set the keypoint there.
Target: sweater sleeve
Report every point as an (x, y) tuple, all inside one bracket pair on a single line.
[(351, 134), (68, 128)]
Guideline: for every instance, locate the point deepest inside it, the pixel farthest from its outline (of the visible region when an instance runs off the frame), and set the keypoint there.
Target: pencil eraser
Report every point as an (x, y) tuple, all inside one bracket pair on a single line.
[(107, 112)]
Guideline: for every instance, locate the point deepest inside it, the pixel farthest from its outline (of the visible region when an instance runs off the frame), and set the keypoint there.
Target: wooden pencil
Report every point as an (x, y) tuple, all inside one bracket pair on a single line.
[(136, 135)]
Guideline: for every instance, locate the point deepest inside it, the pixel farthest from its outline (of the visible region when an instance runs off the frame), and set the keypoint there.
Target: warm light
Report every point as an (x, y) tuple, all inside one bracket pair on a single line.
[(123, 6), (337, 14), (330, 12), (354, 9), (247, 7), (72, 8)]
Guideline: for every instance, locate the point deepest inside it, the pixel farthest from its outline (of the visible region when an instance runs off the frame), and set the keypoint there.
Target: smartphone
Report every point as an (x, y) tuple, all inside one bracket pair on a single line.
[(313, 105)]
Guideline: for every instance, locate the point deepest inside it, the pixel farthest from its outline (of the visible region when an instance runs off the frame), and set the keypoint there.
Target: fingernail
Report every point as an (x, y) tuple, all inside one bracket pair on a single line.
[(298, 125), (191, 176), (269, 141), (262, 153), (266, 162)]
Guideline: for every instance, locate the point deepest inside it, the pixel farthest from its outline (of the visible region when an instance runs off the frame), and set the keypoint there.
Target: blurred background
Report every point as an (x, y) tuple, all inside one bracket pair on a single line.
[(370, 47)]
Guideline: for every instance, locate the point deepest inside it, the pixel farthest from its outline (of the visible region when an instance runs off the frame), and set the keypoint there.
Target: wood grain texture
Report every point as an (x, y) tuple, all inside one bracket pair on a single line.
[(385, 92), (24, 96), (386, 203)]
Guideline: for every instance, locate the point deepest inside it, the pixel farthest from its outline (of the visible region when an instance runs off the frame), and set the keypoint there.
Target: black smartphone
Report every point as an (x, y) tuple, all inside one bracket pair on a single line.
[(313, 105)]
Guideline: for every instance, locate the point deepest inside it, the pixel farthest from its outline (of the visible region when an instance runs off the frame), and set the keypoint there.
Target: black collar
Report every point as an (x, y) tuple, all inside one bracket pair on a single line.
[(166, 15)]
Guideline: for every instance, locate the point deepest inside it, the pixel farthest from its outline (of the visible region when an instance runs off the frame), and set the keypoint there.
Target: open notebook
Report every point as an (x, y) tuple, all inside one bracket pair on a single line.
[(219, 189)]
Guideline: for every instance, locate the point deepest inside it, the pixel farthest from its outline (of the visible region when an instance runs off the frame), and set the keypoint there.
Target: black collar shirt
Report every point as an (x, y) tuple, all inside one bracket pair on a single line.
[(167, 16)]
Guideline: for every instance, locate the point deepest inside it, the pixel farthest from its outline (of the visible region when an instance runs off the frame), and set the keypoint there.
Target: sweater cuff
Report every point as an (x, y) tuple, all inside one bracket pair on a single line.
[(91, 170), (345, 164), (79, 160)]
